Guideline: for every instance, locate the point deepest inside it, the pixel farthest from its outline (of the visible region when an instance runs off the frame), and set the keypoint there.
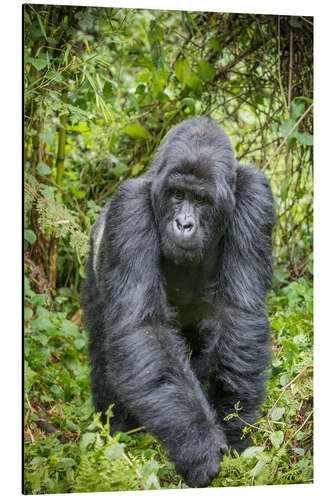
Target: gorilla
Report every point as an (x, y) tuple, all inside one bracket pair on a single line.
[(174, 299)]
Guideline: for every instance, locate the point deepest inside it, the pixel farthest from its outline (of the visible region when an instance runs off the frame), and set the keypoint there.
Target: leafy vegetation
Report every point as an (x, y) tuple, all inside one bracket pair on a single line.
[(102, 88)]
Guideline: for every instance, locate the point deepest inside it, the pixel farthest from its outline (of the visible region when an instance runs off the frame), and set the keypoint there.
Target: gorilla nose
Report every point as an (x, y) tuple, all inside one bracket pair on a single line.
[(185, 225)]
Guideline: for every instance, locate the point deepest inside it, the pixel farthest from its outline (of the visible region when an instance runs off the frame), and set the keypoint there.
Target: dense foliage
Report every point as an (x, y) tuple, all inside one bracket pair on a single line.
[(102, 88)]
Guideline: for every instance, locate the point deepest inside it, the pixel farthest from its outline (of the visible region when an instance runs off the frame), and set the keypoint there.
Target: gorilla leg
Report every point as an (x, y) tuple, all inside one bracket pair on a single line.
[(157, 385), (234, 361)]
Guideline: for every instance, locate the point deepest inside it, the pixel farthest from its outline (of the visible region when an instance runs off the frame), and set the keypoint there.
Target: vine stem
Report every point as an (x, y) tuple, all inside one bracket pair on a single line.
[(288, 135), (53, 252), (286, 387)]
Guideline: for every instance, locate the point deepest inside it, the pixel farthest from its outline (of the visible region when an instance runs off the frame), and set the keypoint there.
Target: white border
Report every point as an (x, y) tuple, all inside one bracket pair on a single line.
[(11, 424)]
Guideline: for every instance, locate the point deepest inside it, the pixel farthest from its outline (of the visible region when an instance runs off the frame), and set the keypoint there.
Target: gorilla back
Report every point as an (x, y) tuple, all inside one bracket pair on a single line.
[(174, 299)]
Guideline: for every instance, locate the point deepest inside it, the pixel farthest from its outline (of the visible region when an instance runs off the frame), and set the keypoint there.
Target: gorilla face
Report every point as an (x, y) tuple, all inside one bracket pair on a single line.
[(190, 222), (194, 212)]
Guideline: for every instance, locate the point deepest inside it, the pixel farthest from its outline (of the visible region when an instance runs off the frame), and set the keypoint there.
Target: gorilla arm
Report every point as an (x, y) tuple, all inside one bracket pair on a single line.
[(238, 335)]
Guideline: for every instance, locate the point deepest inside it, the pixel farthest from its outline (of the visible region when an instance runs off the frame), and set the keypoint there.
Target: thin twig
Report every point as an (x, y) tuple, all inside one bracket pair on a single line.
[(288, 135), (135, 470), (138, 429), (31, 436), (286, 387), (303, 424), (290, 71), (250, 425), (279, 69)]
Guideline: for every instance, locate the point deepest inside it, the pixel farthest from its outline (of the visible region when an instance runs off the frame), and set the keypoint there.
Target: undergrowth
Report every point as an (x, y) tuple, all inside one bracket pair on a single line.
[(67, 449)]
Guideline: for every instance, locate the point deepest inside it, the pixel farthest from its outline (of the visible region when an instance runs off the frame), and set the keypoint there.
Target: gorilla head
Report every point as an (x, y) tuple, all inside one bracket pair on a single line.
[(193, 191)]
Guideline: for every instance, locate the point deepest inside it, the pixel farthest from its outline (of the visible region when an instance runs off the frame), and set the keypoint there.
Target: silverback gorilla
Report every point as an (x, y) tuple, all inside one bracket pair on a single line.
[(174, 299)]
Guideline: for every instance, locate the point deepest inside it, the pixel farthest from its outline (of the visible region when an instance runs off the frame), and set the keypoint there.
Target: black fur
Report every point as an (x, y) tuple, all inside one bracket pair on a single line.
[(179, 333)]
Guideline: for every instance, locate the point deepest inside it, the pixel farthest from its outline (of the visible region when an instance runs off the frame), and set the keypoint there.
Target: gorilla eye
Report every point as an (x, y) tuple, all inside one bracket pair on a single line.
[(180, 195), (201, 199)]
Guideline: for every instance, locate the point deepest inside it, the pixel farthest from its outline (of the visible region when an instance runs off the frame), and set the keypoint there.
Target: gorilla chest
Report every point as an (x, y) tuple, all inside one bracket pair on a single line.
[(189, 293)]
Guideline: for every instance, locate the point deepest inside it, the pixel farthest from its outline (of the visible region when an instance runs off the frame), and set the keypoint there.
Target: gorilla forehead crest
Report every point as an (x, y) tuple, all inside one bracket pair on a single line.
[(196, 146)]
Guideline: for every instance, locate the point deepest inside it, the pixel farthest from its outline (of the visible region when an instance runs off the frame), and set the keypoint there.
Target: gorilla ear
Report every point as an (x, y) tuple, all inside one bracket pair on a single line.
[(247, 245)]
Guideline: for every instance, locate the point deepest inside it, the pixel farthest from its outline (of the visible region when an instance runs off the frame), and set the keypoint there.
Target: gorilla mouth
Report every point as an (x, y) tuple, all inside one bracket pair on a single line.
[(185, 245)]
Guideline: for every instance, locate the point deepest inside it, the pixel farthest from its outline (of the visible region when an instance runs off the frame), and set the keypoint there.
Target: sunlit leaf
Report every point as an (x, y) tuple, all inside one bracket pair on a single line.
[(277, 413), (115, 450), (276, 438), (47, 137), (206, 71), (30, 236), (183, 71), (43, 169), (136, 131), (304, 138)]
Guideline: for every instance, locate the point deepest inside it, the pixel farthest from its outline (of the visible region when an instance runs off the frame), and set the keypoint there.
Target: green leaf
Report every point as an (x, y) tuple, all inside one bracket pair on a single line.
[(155, 33), (258, 468), (305, 138), (290, 349), (71, 426), (183, 71), (108, 90), (68, 328), (38, 299), (67, 463), (294, 23), (41, 26), (87, 439), (39, 64), (136, 131), (42, 324), (206, 71), (41, 338), (299, 451), (284, 379), (195, 83), (276, 362), (47, 191), (152, 482), (286, 126), (213, 43), (252, 451), (276, 439), (277, 413), (43, 168), (285, 130), (53, 75), (188, 101), (119, 170), (136, 169), (78, 193), (297, 108), (28, 313), (30, 236), (161, 96), (47, 137), (115, 450), (79, 343), (56, 390)]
